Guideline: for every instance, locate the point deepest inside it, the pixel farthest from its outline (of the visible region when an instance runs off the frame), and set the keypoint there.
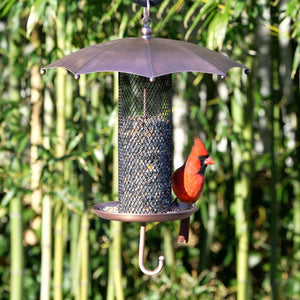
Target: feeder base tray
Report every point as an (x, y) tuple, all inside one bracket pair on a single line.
[(109, 211)]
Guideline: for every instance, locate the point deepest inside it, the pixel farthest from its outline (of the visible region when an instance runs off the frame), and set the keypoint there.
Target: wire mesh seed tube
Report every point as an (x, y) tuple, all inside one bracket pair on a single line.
[(145, 144)]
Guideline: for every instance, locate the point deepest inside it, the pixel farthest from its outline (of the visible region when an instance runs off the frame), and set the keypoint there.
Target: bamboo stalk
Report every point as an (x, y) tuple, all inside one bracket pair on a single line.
[(296, 202), (84, 280), (75, 253), (68, 177), (46, 248), (168, 247), (58, 223), (274, 226), (69, 78), (60, 151), (69, 98), (296, 222), (58, 251), (285, 71), (95, 98), (265, 47), (277, 166), (115, 261), (116, 226), (60, 118), (15, 206), (78, 268), (16, 248), (110, 292), (116, 231), (46, 237), (35, 129), (84, 242), (210, 226), (242, 128), (180, 113)]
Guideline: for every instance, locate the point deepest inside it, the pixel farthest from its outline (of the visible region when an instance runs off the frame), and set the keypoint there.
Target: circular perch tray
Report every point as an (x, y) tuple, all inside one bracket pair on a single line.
[(108, 211)]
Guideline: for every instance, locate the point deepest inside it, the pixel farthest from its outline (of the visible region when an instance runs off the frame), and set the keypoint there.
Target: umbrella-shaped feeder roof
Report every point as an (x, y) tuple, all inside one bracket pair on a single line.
[(137, 59), (146, 56)]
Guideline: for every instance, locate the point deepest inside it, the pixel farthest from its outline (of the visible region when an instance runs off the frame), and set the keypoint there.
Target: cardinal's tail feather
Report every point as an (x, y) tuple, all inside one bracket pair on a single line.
[(183, 236)]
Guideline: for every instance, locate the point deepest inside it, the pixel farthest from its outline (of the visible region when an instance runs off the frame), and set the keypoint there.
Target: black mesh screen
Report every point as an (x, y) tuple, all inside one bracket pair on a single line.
[(145, 144)]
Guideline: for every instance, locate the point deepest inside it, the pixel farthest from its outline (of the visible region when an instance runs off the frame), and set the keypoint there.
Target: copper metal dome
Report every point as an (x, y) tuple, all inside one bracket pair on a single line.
[(148, 57)]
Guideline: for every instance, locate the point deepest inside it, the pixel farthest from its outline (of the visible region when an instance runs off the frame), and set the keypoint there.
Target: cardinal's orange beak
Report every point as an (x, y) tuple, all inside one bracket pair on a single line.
[(209, 161)]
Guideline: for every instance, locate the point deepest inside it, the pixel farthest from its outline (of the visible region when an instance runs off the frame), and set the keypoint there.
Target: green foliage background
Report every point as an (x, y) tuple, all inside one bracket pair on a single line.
[(248, 222)]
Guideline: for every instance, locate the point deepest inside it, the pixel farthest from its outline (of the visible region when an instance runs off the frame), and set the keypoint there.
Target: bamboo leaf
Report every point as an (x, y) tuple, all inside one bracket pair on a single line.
[(296, 61), (5, 6), (114, 7), (162, 8), (190, 12), (238, 8), (92, 170), (22, 144), (192, 27), (206, 10), (217, 31), (170, 14), (74, 142), (123, 25), (37, 9), (8, 196)]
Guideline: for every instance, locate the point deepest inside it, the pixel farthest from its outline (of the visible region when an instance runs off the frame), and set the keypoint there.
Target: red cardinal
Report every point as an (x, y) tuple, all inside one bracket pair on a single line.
[(188, 181)]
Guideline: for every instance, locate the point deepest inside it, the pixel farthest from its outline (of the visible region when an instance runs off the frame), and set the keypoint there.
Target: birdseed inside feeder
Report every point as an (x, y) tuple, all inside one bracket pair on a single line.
[(145, 67), (145, 144)]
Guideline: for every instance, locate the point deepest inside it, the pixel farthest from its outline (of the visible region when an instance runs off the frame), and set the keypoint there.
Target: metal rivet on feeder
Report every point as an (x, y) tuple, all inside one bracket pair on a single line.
[(145, 143)]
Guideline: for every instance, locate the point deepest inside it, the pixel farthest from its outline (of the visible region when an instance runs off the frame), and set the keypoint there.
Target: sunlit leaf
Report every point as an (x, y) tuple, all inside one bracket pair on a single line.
[(8, 196), (5, 6), (36, 11), (74, 142)]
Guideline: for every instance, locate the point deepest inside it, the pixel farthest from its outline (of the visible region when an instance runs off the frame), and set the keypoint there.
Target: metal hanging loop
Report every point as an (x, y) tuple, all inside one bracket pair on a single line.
[(146, 19), (144, 2), (141, 255), (146, 30)]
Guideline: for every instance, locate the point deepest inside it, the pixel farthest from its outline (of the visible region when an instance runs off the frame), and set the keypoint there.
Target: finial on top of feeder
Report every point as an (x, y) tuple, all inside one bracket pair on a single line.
[(146, 32)]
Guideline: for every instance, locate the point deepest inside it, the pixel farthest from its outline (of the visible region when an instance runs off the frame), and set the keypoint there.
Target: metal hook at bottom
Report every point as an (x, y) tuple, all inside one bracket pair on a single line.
[(141, 255)]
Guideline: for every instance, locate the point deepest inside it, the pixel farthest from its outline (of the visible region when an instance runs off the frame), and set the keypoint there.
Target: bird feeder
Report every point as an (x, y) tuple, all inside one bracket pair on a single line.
[(145, 67)]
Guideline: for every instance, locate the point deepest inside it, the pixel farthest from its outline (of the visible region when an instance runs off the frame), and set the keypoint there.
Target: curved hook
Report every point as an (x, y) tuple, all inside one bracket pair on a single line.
[(141, 255)]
